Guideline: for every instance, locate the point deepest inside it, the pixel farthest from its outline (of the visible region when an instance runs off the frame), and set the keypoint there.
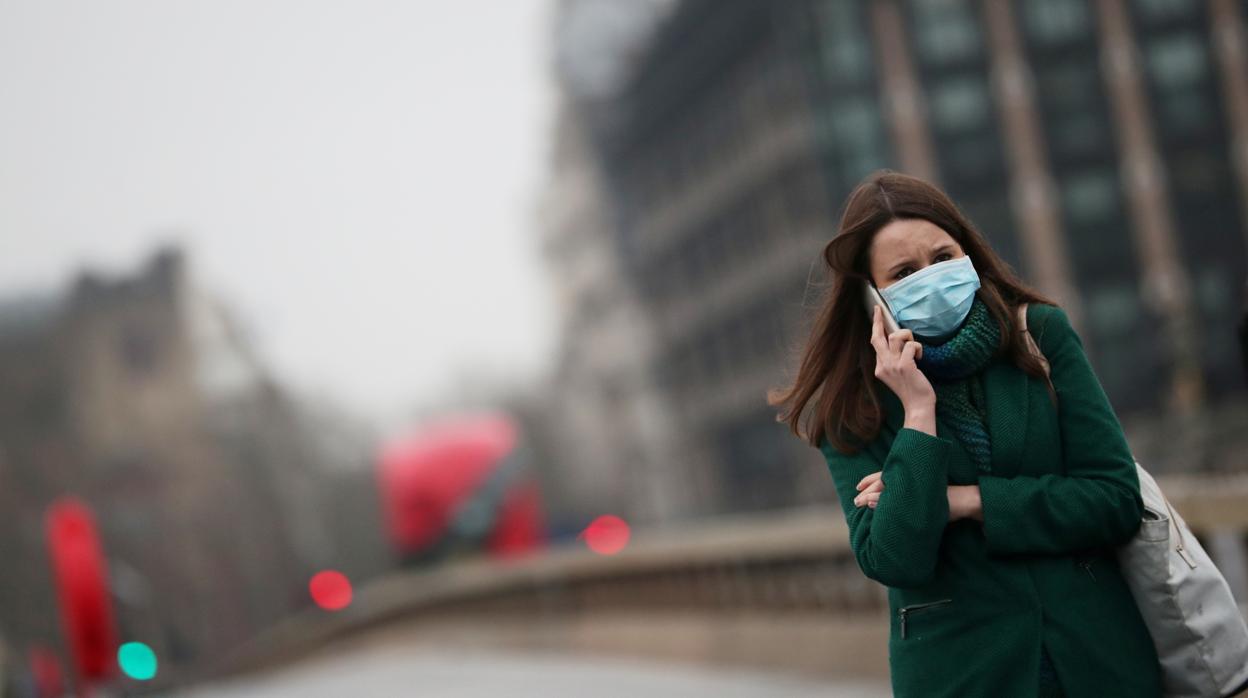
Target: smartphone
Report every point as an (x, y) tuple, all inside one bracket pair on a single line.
[(873, 298)]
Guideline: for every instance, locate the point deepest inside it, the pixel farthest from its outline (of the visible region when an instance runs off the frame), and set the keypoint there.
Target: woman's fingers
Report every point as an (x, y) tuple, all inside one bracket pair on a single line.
[(898, 339), (911, 351), (869, 488), (873, 477), (865, 496), (889, 344), (896, 359), (878, 340), (867, 499)]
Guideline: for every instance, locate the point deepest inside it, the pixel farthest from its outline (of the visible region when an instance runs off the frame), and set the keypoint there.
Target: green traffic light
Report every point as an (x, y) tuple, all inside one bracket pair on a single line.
[(137, 660)]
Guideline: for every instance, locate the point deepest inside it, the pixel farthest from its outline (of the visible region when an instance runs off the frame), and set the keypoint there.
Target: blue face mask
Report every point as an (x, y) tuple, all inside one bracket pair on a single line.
[(933, 301)]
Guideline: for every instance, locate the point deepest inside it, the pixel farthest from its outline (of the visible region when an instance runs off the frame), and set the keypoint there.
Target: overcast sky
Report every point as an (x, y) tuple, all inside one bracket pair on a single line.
[(356, 179)]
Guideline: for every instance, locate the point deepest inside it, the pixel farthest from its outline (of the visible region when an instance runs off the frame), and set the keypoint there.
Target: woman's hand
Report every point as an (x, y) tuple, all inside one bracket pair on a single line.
[(869, 489), (894, 365), (964, 502)]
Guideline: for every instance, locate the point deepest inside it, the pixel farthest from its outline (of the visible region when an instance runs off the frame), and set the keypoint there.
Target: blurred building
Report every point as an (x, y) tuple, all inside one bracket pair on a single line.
[(1098, 144), (612, 415), (140, 397), (609, 427)]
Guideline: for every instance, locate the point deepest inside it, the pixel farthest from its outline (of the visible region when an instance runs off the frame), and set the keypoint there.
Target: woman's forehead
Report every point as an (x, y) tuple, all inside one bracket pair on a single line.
[(906, 237)]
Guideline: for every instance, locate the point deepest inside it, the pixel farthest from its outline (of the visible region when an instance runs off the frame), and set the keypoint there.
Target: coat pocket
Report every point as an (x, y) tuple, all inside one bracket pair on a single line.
[(1085, 563), (906, 613), (1092, 560)]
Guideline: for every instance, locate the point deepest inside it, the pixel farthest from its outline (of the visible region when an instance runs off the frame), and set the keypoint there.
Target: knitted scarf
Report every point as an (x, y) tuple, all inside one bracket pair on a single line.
[(953, 367)]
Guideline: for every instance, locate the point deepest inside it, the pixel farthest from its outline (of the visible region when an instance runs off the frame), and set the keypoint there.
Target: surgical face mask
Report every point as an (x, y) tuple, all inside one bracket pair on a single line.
[(933, 301)]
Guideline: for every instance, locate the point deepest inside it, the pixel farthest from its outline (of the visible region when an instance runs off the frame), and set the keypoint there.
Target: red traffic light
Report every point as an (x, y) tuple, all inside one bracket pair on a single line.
[(80, 575)]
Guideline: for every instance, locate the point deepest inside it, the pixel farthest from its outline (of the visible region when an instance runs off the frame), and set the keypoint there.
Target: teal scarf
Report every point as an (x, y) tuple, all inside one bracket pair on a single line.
[(953, 367)]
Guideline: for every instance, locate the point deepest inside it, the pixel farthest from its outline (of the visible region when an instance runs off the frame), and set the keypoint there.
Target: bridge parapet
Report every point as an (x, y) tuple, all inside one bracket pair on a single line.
[(779, 590)]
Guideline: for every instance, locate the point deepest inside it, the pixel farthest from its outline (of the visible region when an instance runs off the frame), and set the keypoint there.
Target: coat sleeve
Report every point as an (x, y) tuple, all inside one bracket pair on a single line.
[(896, 543), (1097, 501)]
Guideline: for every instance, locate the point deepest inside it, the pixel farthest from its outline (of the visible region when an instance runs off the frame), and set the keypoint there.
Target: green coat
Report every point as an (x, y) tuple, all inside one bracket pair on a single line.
[(978, 599)]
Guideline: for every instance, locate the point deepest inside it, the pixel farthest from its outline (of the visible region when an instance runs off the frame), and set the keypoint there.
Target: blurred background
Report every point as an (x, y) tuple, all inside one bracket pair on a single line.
[(378, 347)]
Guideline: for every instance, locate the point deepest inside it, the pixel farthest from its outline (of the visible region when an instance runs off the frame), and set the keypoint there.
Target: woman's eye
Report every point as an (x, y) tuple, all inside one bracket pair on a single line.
[(942, 257), (906, 271)]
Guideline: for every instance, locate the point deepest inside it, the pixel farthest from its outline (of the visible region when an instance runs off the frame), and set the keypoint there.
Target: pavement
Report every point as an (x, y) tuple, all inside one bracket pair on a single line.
[(397, 670)]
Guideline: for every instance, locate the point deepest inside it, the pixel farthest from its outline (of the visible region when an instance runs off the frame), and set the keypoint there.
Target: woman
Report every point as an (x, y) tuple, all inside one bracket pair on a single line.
[(986, 499)]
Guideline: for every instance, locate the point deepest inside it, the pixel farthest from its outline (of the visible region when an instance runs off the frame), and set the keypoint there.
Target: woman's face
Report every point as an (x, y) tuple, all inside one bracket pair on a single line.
[(907, 245)]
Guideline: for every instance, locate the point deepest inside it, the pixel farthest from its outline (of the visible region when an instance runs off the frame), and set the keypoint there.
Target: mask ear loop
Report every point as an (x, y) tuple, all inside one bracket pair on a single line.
[(887, 306)]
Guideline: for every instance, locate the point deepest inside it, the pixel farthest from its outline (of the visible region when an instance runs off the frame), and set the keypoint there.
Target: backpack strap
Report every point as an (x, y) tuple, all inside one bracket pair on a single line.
[(1034, 348)]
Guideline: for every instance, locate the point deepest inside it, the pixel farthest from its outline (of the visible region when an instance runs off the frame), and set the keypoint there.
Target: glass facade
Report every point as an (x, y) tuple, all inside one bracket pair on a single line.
[(952, 62), (1189, 117), (1063, 52), (850, 123), (720, 177)]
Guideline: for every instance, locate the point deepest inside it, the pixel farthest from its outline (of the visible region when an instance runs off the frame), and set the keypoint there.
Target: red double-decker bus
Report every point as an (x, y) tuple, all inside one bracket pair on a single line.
[(460, 484)]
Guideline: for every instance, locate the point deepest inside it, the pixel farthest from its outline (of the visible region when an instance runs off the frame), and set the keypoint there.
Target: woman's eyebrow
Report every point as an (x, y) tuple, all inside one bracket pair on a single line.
[(900, 264), (942, 247)]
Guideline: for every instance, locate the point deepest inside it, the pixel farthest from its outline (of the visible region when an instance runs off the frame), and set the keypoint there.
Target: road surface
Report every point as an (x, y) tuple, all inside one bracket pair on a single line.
[(380, 671)]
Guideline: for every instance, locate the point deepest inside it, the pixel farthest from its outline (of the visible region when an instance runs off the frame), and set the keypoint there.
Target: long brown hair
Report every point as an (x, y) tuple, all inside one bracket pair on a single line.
[(837, 363)]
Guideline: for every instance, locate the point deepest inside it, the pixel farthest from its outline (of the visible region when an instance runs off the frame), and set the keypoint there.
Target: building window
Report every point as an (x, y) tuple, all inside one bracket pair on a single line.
[(1179, 68), (945, 30), (1056, 21), (1078, 133), (959, 104), (1198, 172), (1115, 315), (847, 56), (991, 215), (1165, 9), (843, 41), (1068, 86), (1178, 61), (1114, 310), (971, 158), (1090, 197), (1215, 292), (855, 124)]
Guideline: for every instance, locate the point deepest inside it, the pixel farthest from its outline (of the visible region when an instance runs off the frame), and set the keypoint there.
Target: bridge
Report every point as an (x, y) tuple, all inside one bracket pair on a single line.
[(771, 604)]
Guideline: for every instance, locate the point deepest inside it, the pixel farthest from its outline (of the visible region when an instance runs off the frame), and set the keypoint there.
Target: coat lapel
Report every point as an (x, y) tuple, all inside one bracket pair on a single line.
[(1005, 391)]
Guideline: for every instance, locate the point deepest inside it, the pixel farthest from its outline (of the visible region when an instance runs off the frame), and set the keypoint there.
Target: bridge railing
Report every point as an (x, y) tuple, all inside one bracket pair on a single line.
[(779, 590)]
